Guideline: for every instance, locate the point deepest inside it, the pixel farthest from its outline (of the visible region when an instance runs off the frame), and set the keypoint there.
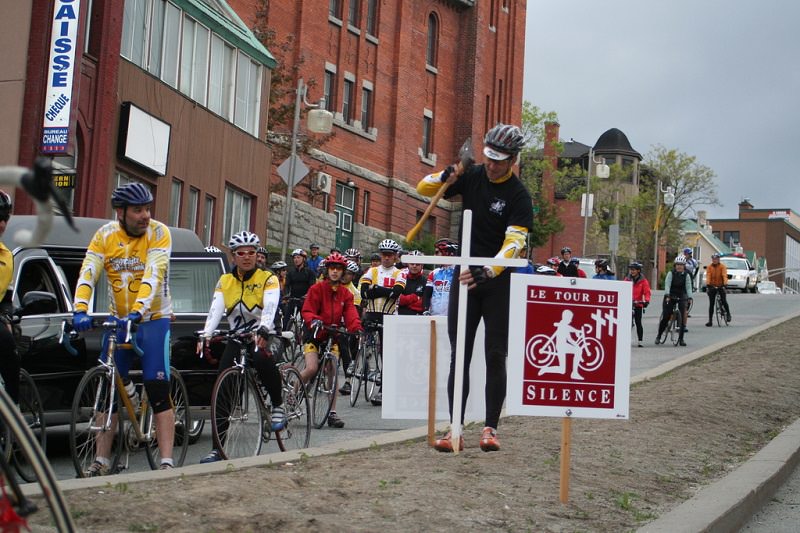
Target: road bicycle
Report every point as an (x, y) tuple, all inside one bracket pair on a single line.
[(241, 414), (719, 308), (101, 391), (541, 350), (323, 384), (293, 324), (367, 366), (674, 324)]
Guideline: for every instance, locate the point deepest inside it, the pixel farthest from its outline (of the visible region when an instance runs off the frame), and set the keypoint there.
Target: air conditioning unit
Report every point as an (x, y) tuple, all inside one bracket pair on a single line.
[(322, 182)]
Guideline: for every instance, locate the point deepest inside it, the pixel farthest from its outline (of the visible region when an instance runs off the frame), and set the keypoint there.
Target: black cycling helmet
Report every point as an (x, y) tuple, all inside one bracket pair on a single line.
[(446, 246), (261, 250), (131, 194), (566, 250), (5, 205), (503, 141), (636, 265), (375, 257), (601, 263)]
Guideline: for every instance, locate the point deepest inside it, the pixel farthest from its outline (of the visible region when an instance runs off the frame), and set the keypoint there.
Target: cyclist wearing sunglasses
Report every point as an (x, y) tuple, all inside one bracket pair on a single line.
[(249, 297)]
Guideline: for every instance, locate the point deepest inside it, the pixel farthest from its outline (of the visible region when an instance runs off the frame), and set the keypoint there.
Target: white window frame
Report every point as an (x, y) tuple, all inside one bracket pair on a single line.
[(236, 216), (176, 201)]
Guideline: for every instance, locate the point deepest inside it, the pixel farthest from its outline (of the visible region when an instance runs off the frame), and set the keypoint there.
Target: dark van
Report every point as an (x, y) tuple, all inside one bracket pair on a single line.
[(53, 268)]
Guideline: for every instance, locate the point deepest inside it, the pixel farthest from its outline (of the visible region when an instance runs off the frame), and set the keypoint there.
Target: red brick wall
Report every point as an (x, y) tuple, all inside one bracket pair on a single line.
[(471, 61)]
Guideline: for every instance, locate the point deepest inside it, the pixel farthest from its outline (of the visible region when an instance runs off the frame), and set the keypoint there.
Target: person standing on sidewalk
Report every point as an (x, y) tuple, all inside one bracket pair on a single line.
[(641, 297), (502, 216)]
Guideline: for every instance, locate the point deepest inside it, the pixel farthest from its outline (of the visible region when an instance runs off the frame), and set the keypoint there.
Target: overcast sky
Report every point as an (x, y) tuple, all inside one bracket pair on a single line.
[(715, 79)]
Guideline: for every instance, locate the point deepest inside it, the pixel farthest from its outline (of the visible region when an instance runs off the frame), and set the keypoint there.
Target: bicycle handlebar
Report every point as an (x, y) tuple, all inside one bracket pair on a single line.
[(109, 324), (38, 183)]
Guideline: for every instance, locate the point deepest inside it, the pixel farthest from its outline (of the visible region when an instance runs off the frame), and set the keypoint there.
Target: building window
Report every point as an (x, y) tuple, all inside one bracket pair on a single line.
[(366, 108), (194, 205), (335, 9), (220, 84), (121, 179), (329, 90), (176, 195), (372, 17), (188, 56), (429, 228), (237, 212), (730, 238), (194, 60), (354, 13), (248, 84), (427, 136), (433, 40), (347, 101), (208, 220)]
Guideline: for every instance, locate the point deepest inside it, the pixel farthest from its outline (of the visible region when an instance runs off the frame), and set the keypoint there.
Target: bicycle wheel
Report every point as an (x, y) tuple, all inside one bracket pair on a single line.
[(237, 420), (677, 324), (373, 369), (539, 351), (43, 475), (718, 312), (592, 355), (673, 333), (359, 375), (30, 405), (324, 389), (178, 395), (196, 429), (90, 407), (297, 433)]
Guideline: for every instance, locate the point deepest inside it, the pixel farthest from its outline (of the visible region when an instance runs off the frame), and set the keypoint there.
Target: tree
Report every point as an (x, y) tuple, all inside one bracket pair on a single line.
[(692, 183), (532, 165)]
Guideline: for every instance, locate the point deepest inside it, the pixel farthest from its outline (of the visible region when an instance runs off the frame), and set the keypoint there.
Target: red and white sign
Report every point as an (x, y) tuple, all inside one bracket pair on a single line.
[(569, 347)]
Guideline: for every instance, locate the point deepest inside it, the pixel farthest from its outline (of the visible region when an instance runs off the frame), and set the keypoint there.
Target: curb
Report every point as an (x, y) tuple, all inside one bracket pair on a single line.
[(722, 506)]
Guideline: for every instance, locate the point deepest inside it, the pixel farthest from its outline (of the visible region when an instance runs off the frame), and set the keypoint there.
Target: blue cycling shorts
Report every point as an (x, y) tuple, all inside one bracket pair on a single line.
[(153, 337)]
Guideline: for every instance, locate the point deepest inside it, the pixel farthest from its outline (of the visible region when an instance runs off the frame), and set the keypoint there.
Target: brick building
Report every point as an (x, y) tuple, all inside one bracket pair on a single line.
[(773, 234), (172, 94), (612, 147), (407, 82)]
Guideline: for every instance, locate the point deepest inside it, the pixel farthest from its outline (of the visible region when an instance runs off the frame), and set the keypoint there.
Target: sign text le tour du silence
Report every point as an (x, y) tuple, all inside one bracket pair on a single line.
[(569, 347)]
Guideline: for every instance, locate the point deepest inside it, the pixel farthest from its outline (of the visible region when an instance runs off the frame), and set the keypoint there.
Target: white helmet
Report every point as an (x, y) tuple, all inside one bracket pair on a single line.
[(244, 238), (388, 245), (213, 250), (680, 260)]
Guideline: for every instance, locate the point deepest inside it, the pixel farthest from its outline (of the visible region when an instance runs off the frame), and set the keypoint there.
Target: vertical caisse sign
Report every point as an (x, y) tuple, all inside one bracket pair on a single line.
[(58, 90), (569, 347)]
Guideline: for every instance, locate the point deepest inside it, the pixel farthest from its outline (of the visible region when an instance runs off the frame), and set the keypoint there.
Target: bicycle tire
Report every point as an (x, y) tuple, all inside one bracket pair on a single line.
[(237, 418), (297, 432), (30, 406), (677, 324), (359, 374), (673, 333), (91, 397), (324, 389), (718, 310), (179, 395), (196, 429), (594, 350), (45, 478), (374, 372), (534, 347)]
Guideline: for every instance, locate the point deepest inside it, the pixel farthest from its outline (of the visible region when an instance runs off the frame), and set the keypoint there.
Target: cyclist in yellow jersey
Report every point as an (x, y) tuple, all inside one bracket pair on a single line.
[(9, 358), (134, 252)]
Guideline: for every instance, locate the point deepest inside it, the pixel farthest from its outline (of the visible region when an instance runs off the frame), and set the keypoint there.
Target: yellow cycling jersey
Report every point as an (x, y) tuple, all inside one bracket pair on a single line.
[(249, 301), (137, 269), (356, 293), (6, 269)]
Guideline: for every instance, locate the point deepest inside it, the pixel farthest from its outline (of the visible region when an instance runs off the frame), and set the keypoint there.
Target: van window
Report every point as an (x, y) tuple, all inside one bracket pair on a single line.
[(36, 275), (191, 284)]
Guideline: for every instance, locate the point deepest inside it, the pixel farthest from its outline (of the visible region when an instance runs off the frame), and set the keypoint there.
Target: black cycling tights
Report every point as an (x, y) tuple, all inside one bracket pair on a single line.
[(9, 362), (637, 319), (490, 302)]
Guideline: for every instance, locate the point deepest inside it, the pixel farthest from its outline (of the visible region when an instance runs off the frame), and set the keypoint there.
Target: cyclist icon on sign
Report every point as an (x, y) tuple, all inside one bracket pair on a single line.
[(587, 352)]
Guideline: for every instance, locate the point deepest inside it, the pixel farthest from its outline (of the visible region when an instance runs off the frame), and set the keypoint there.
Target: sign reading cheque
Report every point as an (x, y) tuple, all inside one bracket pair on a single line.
[(569, 347)]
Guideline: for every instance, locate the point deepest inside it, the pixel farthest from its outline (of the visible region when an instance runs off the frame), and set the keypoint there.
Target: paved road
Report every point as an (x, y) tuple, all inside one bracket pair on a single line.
[(749, 311)]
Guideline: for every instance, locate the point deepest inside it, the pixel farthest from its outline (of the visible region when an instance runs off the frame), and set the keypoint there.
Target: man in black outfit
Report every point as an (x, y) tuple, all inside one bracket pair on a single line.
[(502, 216), (298, 281)]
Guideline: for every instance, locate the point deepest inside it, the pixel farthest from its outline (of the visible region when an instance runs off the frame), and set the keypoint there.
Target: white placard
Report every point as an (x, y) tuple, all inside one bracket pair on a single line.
[(569, 351), (406, 345)]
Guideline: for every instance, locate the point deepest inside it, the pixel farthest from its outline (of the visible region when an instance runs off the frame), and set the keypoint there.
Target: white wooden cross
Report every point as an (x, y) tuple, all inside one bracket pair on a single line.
[(464, 260)]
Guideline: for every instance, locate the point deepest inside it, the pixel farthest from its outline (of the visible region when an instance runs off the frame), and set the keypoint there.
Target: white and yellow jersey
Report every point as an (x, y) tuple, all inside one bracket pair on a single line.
[(137, 269), (249, 302), (6, 269), (382, 277)]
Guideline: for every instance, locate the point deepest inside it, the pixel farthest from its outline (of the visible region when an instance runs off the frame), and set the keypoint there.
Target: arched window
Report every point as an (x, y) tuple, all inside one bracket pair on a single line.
[(433, 40)]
